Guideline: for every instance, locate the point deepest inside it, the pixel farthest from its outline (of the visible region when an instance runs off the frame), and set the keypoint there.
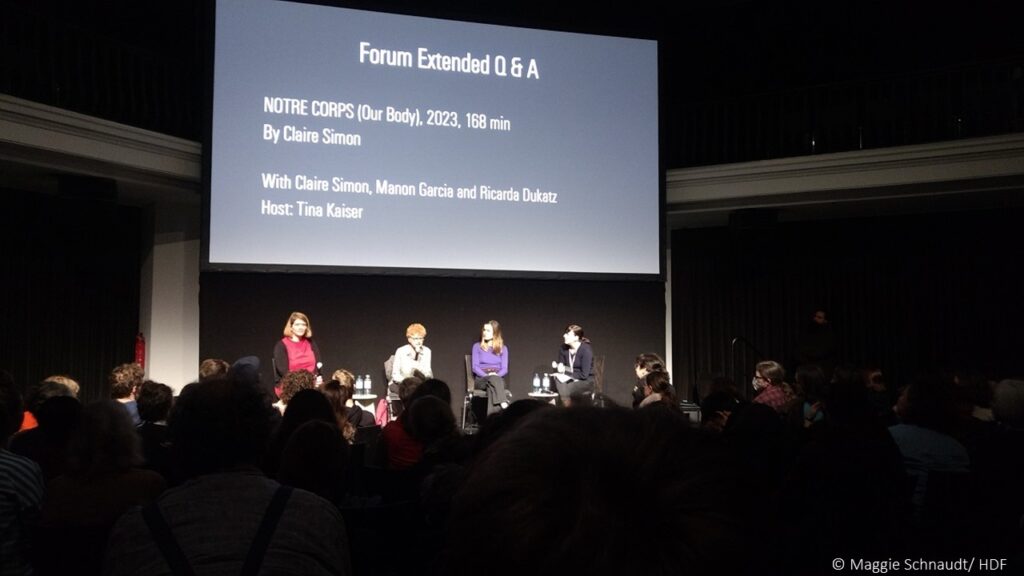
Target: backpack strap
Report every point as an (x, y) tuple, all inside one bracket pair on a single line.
[(258, 549)]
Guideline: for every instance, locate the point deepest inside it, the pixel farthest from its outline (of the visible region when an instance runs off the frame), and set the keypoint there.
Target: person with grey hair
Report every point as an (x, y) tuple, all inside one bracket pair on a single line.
[(999, 474)]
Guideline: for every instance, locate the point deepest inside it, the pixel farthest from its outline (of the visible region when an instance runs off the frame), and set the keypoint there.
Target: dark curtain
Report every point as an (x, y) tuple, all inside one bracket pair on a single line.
[(908, 294), (70, 291)]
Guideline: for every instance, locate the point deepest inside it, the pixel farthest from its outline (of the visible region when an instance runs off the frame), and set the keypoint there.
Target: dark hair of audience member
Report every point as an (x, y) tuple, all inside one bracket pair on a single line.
[(48, 444), (558, 491), (650, 362), (124, 379), (213, 368), (106, 441), (294, 382), (44, 391), (220, 425), (316, 459), (500, 423), (306, 406), (809, 382), (338, 396), (660, 383), (716, 408), (929, 403), (433, 387), (407, 387), (154, 401), (431, 420), (845, 399)]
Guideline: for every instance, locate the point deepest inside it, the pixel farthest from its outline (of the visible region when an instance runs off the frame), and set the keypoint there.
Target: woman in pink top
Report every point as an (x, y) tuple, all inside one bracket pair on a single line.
[(297, 350)]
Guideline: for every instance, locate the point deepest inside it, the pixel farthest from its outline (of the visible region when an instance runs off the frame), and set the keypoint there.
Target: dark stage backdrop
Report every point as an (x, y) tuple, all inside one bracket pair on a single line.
[(69, 297), (908, 294), (359, 321)]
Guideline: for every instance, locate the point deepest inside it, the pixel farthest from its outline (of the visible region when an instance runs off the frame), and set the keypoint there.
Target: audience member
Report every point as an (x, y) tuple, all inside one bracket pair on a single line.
[(645, 364), (558, 495), (102, 482), (219, 431), (291, 384), (212, 368), (154, 402), (21, 486), (124, 383), (47, 444), (35, 398), (770, 384), (658, 389)]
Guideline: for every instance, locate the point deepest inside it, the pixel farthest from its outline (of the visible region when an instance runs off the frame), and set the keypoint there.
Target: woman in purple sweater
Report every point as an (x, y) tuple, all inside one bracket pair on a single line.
[(490, 365)]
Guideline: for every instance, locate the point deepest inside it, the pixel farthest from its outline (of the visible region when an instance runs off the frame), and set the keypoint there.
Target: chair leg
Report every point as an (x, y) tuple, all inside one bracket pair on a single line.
[(465, 408)]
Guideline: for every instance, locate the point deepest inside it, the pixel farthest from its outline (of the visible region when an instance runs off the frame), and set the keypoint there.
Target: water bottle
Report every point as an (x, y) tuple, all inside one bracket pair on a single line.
[(367, 385), (536, 383), (359, 385)]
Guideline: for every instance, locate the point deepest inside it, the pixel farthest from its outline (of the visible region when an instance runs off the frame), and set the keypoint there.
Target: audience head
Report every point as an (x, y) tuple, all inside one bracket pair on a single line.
[(154, 401), (106, 440), (845, 398), (407, 387), (928, 403), (294, 382), (716, 408), (768, 373), (219, 425), (44, 391), (315, 459), (298, 326), (660, 383), (874, 380), (337, 395), (1008, 403), (809, 382), (67, 381), (648, 362), (125, 380), (213, 368), (430, 419), (245, 369), (433, 387), (345, 378), (556, 492), (59, 415)]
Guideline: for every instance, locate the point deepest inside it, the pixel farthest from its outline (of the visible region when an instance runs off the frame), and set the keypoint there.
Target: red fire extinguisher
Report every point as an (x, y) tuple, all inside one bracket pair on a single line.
[(140, 350)]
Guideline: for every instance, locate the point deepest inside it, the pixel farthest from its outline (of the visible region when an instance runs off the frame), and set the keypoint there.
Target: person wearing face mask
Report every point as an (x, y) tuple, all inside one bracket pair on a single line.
[(297, 350), (575, 367), (490, 366), (769, 384)]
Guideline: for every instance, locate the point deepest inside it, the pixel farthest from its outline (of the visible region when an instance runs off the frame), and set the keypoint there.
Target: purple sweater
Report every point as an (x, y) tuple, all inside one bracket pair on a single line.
[(485, 361)]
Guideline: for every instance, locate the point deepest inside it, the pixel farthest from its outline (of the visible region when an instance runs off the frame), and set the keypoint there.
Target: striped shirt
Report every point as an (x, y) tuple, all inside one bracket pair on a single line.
[(21, 495)]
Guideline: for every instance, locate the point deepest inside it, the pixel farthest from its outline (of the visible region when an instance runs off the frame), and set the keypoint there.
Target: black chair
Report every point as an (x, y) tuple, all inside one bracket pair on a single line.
[(474, 403)]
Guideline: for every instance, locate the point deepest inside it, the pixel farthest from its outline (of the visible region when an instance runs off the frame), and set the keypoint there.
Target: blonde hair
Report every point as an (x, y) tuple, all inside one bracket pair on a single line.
[(416, 329), (345, 378), (291, 320), (497, 342), (67, 381)]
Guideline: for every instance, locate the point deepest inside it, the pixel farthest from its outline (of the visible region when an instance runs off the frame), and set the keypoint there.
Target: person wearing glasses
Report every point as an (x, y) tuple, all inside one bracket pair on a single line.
[(413, 359), (770, 385)]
